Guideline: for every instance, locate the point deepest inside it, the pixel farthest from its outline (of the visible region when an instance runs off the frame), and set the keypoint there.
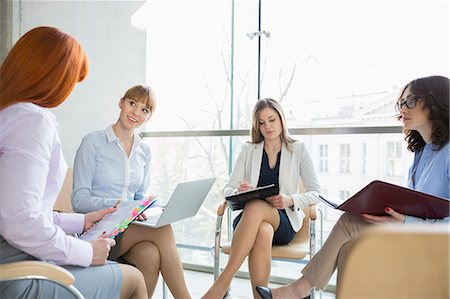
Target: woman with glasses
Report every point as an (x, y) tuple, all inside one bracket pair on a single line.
[(113, 165), (423, 109), (271, 157)]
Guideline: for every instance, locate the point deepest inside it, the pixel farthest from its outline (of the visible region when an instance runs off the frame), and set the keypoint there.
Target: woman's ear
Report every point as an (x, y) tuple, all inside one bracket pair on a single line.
[(121, 102)]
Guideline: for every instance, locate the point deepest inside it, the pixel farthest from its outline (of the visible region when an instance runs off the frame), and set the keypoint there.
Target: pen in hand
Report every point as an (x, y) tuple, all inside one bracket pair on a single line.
[(244, 185)]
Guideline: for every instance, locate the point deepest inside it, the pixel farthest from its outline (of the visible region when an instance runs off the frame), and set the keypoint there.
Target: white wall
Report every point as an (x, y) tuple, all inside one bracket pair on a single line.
[(115, 49)]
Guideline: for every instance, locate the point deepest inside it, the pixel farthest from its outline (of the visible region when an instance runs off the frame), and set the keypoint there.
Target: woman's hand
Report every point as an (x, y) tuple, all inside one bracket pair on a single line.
[(93, 217), (280, 201), (141, 217), (394, 217), (100, 249), (244, 186)]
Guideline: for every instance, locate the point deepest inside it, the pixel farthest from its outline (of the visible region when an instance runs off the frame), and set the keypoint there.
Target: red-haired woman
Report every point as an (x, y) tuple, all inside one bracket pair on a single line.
[(40, 72)]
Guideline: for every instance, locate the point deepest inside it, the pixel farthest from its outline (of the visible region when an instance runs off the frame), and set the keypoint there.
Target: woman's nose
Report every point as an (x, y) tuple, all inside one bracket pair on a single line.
[(403, 109), (135, 111)]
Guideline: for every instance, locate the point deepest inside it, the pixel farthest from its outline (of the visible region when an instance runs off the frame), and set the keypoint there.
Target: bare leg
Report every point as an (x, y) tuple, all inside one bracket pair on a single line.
[(145, 256), (170, 262), (133, 284), (260, 258), (244, 237)]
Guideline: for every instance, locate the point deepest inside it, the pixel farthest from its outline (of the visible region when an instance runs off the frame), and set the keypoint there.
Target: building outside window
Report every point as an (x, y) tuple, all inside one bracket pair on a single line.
[(394, 156), (323, 158), (344, 158), (363, 158), (344, 194)]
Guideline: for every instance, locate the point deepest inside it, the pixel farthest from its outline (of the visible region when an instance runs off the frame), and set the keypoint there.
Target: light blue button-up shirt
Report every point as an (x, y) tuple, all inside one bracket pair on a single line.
[(103, 173), (431, 173)]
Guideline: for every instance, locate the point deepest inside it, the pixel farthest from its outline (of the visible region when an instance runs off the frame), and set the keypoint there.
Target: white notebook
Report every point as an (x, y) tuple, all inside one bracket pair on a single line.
[(115, 223)]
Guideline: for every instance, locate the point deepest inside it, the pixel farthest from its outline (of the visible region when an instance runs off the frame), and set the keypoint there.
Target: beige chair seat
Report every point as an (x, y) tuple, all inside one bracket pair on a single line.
[(398, 261), (298, 248)]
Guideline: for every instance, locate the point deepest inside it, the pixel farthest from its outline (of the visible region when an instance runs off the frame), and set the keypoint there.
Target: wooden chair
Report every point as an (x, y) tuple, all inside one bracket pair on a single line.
[(41, 270), (303, 243), (398, 261)]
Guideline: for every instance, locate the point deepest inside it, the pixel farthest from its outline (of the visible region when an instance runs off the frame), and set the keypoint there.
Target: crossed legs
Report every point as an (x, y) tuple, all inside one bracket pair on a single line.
[(331, 256), (252, 237), (152, 250)]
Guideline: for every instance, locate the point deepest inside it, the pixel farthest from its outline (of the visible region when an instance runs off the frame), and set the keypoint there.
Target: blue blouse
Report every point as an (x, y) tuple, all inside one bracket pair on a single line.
[(430, 173), (103, 173)]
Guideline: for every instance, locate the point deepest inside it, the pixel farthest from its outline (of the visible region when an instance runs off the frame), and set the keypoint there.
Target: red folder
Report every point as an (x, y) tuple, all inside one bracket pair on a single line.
[(378, 195)]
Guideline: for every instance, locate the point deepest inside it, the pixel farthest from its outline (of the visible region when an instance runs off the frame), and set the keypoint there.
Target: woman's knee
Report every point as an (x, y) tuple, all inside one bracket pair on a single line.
[(144, 252), (132, 281), (254, 207), (265, 235), (345, 218)]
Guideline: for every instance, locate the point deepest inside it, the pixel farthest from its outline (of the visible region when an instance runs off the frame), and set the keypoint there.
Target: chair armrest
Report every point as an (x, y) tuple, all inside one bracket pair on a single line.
[(313, 212), (11, 271), (221, 208)]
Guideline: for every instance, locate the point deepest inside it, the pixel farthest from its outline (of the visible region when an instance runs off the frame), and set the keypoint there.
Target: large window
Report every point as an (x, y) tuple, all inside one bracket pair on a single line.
[(333, 64)]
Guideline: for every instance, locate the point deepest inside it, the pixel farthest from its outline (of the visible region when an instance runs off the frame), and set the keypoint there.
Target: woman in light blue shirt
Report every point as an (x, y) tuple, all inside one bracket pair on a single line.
[(113, 165), (423, 109), (39, 73)]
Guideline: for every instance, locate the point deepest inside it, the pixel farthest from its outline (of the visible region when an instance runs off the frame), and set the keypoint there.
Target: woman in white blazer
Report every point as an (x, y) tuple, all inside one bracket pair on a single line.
[(271, 157)]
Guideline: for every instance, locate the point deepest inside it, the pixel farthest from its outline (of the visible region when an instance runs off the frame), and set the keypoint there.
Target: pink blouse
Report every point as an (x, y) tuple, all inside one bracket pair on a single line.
[(32, 170)]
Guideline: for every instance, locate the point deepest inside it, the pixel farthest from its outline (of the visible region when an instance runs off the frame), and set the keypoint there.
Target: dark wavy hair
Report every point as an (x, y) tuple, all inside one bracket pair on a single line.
[(434, 91)]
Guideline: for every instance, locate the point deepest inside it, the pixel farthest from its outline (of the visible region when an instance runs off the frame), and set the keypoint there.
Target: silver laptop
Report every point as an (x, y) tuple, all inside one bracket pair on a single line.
[(184, 202)]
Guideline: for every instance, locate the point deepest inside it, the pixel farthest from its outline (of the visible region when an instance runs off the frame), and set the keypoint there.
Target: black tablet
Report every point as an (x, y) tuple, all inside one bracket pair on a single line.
[(237, 201)]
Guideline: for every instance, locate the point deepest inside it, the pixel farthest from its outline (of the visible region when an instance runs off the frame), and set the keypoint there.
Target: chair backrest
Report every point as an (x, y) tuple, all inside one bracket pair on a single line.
[(398, 261), (303, 235), (299, 247), (63, 202)]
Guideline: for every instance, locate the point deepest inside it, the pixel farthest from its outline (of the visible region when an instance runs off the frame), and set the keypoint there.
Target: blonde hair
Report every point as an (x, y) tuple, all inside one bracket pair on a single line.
[(142, 94), (255, 133)]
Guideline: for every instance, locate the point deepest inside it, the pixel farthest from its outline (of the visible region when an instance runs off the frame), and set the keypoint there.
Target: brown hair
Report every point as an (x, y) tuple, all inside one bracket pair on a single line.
[(434, 91), (42, 68), (143, 94), (255, 133)]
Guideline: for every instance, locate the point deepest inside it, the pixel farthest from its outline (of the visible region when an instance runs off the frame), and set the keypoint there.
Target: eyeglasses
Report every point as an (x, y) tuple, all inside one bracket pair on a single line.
[(409, 102)]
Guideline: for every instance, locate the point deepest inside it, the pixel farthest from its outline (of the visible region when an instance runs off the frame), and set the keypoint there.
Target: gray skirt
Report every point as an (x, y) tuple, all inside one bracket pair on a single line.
[(93, 282)]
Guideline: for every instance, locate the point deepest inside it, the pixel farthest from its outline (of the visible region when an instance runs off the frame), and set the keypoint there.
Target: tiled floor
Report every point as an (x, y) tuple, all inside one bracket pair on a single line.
[(199, 282)]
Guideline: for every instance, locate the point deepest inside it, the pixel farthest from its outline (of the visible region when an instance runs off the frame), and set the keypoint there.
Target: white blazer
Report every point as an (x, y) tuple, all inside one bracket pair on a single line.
[(295, 165)]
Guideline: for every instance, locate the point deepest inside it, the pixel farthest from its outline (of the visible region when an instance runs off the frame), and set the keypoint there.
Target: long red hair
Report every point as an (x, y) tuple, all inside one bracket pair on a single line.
[(42, 68)]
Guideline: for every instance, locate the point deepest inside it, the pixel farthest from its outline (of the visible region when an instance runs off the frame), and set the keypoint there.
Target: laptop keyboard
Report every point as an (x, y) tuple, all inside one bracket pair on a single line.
[(153, 219)]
